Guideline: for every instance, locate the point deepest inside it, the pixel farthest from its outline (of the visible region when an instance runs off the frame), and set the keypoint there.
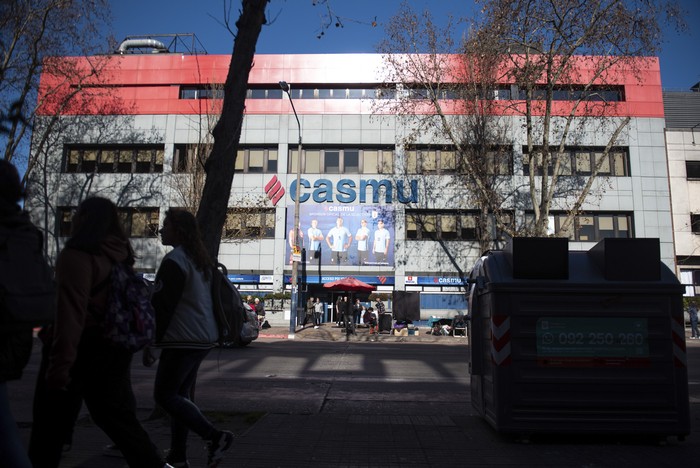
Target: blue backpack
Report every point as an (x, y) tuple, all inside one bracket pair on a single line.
[(128, 321)]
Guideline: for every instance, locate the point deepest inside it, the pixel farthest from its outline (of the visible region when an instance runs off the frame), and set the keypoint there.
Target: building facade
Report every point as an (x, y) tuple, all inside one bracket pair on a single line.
[(136, 136), (682, 111)]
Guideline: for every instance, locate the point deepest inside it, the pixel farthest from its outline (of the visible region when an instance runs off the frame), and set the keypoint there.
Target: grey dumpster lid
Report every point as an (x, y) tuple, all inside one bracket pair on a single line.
[(626, 264)]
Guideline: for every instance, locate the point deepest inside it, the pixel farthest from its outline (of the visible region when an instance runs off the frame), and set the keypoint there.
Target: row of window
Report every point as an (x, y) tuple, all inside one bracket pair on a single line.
[(128, 159), (342, 161), (452, 225), (259, 223), (334, 160), (502, 92), (448, 226), (137, 222), (582, 161), (143, 222)]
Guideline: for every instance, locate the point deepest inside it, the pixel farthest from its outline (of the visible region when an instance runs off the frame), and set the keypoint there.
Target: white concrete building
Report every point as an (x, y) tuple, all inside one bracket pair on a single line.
[(135, 146)]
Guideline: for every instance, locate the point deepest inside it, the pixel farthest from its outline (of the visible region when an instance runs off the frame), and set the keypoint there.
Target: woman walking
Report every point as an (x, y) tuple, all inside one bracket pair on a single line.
[(185, 331), (82, 364)]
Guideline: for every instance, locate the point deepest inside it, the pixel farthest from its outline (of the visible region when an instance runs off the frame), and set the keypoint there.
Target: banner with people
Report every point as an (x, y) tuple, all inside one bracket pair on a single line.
[(343, 235)]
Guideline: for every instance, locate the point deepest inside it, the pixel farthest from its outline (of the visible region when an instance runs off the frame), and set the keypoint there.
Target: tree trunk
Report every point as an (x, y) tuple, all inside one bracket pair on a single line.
[(227, 132)]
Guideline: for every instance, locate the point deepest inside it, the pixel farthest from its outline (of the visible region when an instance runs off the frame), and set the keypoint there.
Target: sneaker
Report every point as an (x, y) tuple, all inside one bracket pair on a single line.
[(180, 464), (112, 451), (176, 463), (216, 448), (316, 327)]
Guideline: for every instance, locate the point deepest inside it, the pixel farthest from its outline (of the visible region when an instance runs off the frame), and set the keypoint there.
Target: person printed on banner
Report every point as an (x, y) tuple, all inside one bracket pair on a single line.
[(315, 238), (82, 363), (362, 238), (380, 246), (291, 238), (186, 331), (339, 239), (15, 340), (318, 312)]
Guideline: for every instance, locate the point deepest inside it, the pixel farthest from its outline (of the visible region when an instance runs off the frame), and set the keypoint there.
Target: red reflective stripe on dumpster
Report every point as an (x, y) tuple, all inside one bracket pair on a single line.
[(500, 340), (678, 338)]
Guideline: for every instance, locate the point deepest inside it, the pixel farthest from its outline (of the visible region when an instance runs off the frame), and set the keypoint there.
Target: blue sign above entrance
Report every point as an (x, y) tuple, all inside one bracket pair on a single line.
[(374, 280)]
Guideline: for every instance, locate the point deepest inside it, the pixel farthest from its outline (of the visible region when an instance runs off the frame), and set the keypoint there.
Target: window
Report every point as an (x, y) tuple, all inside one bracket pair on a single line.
[(127, 159), (692, 169), (591, 227), (211, 91), (249, 223), (695, 223), (137, 222), (441, 225), (581, 161), (343, 161), (250, 160), (431, 160), (446, 160), (610, 93)]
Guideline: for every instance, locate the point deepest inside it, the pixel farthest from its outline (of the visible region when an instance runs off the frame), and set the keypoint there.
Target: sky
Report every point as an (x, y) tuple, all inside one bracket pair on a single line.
[(296, 24)]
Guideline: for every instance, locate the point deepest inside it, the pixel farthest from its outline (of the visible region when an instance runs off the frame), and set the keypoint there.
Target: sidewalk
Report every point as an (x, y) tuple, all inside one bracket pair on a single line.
[(331, 332), (381, 434)]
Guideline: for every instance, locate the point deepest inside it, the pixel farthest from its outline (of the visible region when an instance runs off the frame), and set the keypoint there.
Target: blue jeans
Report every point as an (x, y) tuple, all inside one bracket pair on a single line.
[(174, 392), (694, 326)]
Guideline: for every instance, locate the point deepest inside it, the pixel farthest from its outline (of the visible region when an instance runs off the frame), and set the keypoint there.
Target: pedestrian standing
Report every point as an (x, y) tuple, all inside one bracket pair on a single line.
[(15, 340), (693, 313), (348, 317), (309, 315), (356, 312), (83, 364), (318, 312), (186, 331)]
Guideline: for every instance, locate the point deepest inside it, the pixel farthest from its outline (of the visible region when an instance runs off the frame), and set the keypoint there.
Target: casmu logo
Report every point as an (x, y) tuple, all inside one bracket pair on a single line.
[(274, 190), (346, 191)]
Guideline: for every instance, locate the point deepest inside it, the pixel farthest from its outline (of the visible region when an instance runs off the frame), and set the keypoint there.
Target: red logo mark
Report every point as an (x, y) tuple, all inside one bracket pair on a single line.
[(382, 279), (274, 190)]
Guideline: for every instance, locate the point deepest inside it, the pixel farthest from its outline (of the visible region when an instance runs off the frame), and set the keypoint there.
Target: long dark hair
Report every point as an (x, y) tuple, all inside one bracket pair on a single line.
[(95, 220), (185, 226)]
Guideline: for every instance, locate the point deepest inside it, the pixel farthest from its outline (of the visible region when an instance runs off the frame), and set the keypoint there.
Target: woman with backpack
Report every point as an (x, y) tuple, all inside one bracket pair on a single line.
[(82, 363), (186, 331)]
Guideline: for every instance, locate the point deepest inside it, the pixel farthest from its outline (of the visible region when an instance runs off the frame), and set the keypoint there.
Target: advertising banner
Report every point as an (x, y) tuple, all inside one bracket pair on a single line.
[(340, 235)]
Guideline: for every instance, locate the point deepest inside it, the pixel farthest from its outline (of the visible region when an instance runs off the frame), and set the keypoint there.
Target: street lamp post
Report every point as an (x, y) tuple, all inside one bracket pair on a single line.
[(295, 229)]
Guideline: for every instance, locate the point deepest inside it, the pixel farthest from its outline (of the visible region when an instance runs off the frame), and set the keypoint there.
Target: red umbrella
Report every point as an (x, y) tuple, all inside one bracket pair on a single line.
[(349, 284)]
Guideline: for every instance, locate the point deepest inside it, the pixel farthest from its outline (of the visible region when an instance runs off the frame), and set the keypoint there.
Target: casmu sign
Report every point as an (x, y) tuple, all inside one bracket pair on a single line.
[(347, 191)]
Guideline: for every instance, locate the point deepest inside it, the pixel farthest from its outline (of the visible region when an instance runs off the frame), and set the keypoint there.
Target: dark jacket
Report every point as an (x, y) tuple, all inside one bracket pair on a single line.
[(15, 344), (78, 273)]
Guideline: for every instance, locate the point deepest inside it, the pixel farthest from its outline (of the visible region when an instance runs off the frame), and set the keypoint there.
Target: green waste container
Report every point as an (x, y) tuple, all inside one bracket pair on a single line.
[(578, 342)]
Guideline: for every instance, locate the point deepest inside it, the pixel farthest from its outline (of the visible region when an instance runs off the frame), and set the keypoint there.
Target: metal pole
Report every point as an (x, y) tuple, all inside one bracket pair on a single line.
[(295, 229)]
